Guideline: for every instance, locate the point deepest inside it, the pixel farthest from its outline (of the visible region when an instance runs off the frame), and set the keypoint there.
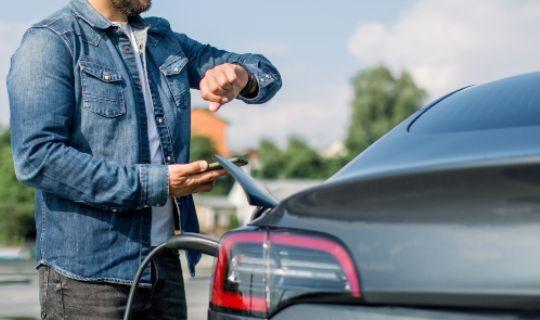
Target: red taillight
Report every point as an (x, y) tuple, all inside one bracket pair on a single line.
[(257, 271)]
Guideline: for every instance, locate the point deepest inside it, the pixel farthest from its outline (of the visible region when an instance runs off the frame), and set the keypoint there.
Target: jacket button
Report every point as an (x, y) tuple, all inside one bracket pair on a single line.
[(176, 70), (106, 77), (159, 119), (169, 158)]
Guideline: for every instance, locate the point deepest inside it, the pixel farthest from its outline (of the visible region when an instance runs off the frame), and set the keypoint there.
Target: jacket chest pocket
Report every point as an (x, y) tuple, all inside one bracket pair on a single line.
[(177, 79), (102, 90)]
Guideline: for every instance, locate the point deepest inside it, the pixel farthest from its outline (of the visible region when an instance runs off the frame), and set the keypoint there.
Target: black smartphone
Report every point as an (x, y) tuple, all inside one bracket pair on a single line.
[(237, 161)]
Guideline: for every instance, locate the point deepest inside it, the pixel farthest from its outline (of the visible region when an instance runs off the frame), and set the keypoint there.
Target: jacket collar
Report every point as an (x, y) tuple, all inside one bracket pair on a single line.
[(94, 19), (86, 12)]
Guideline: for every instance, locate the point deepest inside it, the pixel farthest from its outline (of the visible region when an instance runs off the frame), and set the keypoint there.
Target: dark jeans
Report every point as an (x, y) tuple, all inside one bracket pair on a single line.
[(65, 298)]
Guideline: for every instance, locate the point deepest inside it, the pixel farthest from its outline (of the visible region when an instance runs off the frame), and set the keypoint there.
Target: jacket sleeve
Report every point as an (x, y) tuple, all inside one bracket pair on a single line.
[(203, 57), (42, 101)]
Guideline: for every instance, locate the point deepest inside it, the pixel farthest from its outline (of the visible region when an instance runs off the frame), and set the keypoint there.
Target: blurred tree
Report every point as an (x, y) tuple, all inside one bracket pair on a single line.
[(333, 164), (272, 160), (381, 101), (16, 200), (297, 161), (203, 148), (302, 161)]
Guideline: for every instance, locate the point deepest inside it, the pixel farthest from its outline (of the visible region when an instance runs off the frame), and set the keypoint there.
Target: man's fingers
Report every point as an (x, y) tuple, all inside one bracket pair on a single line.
[(234, 79), (223, 82), (206, 177), (214, 106), (208, 95), (216, 85), (191, 168)]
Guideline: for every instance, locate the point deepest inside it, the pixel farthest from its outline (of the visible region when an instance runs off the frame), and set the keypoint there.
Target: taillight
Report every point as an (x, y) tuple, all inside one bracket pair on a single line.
[(259, 271)]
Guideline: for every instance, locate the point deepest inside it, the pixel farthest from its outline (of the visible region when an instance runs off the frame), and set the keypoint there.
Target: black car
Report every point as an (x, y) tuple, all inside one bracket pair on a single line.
[(439, 219)]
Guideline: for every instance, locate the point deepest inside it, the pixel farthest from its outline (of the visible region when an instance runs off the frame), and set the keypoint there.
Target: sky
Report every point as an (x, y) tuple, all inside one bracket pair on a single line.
[(319, 45)]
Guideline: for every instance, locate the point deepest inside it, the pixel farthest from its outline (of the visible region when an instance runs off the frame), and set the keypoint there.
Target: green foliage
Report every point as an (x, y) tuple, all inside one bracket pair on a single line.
[(272, 160), (297, 161), (203, 148), (302, 161), (16, 200), (381, 101), (234, 222)]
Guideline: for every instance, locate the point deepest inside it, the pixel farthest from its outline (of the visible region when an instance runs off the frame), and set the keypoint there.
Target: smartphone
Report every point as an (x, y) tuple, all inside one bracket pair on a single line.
[(237, 161)]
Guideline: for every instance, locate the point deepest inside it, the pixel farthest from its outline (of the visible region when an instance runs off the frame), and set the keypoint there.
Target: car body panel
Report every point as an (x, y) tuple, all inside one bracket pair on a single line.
[(465, 236), (435, 219), (441, 220)]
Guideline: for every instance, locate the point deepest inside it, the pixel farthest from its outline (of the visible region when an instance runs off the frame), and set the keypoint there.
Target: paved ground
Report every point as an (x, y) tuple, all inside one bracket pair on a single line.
[(19, 293)]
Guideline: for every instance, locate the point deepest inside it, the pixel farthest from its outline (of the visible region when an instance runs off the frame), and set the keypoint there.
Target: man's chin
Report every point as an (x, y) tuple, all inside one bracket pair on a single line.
[(133, 7)]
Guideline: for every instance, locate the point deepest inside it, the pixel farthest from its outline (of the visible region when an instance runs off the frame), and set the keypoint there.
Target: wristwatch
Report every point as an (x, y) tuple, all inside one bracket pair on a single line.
[(251, 90)]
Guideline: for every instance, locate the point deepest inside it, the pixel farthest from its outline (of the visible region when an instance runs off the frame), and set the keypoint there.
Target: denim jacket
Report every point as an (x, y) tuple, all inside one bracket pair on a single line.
[(79, 135)]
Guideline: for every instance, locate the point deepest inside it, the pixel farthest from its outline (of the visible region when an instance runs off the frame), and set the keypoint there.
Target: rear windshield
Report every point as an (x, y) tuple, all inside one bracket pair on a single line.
[(511, 102)]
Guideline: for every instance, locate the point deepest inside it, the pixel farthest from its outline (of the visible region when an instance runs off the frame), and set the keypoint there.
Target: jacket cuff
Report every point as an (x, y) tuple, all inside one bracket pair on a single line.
[(155, 184), (263, 80)]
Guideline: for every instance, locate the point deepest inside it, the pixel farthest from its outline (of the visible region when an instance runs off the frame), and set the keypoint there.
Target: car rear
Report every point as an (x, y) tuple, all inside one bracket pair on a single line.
[(440, 219)]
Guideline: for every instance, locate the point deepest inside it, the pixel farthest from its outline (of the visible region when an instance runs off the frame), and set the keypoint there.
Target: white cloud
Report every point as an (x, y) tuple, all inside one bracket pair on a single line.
[(10, 37), (449, 44)]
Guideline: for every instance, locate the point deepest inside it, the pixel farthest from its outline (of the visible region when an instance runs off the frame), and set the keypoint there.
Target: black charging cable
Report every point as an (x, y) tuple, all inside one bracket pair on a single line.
[(184, 241)]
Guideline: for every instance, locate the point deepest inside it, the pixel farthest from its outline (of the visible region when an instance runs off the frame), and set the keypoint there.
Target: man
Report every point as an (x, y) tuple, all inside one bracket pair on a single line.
[(100, 122)]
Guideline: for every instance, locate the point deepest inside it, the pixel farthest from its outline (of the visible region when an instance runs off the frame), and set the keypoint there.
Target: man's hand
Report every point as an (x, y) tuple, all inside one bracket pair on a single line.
[(222, 84), (185, 179)]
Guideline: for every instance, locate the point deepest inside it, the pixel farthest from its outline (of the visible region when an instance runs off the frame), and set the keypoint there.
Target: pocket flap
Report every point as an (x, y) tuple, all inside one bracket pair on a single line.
[(173, 65), (99, 71)]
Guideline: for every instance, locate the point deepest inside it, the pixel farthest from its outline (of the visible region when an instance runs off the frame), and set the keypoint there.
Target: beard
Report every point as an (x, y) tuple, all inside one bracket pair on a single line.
[(132, 8)]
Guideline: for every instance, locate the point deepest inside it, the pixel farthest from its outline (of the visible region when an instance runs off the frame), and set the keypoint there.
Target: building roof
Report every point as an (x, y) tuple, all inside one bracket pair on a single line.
[(207, 124)]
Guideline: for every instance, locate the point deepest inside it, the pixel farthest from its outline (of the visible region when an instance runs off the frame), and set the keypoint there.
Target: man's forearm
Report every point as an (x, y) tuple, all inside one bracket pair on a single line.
[(204, 57)]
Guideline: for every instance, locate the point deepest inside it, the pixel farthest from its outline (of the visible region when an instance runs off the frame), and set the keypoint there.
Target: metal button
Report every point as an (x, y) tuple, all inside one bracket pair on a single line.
[(169, 158), (106, 77), (176, 70), (126, 48), (114, 210), (159, 119), (146, 206)]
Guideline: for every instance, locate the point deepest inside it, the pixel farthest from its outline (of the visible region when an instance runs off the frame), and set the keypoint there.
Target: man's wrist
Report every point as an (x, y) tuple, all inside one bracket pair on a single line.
[(251, 89)]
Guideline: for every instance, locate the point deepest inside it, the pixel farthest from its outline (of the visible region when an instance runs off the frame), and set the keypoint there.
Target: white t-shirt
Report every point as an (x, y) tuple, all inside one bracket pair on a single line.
[(162, 217)]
